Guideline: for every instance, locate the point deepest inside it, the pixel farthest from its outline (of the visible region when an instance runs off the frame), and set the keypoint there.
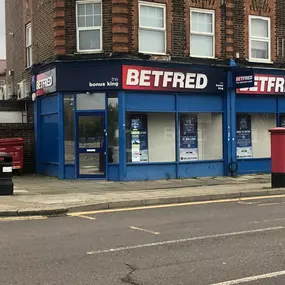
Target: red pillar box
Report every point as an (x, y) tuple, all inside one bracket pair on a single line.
[(277, 157)]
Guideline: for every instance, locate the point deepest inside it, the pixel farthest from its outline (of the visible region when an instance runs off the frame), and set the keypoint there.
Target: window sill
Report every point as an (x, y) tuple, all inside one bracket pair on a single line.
[(154, 54), (88, 52), (202, 57), (260, 61)]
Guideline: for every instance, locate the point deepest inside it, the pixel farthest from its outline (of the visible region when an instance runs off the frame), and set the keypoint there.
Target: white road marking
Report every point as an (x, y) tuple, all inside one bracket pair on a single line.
[(27, 218), (248, 203), (82, 216), (21, 191), (267, 221), (144, 230), (252, 278), (184, 240), (271, 204)]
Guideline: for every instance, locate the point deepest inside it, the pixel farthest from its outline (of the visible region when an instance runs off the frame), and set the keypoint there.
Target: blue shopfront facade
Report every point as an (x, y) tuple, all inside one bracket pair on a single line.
[(135, 120)]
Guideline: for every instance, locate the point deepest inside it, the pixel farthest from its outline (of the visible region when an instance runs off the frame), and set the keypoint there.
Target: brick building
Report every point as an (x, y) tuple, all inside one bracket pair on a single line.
[(155, 79)]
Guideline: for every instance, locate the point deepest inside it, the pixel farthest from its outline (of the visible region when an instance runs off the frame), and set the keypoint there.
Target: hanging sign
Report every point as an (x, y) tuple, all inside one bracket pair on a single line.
[(188, 138), (44, 83), (243, 78), (139, 138), (243, 137)]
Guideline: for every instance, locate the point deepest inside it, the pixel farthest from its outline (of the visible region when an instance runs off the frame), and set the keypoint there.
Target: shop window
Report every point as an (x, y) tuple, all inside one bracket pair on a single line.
[(202, 33), (89, 26), (282, 121), (259, 39), (252, 136), (90, 101), (69, 129), (150, 137), (200, 136), (152, 28), (29, 49), (113, 128)]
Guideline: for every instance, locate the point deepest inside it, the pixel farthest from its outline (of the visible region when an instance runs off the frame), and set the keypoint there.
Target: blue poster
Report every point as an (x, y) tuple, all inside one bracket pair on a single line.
[(243, 136), (139, 138), (282, 121), (188, 137)]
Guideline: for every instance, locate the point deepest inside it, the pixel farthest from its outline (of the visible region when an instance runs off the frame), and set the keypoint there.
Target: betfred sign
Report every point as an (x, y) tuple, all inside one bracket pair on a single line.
[(46, 82), (266, 84), (169, 79), (243, 78)]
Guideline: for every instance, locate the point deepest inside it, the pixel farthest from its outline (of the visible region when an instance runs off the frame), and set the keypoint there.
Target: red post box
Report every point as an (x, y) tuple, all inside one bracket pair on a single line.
[(277, 157), (14, 147)]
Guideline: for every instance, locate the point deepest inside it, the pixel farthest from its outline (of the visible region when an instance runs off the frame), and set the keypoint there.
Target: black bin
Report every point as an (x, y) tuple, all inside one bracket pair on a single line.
[(6, 174)]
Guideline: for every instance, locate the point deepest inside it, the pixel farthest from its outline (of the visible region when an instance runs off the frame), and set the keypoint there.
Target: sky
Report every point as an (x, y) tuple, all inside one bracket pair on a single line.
[(2, 30)]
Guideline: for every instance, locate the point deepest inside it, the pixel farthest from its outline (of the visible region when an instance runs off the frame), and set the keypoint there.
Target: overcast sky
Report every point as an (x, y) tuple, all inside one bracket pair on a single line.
[(2, 30)]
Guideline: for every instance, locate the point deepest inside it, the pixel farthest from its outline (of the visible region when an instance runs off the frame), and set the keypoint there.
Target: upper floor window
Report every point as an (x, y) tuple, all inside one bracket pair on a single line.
[(259, 39), (202, 33), (29, 50), (152, 28), (89, 26)]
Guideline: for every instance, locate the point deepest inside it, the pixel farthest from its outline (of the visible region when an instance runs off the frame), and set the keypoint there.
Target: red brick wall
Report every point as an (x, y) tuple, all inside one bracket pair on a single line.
[(18, 14), (56, 35)]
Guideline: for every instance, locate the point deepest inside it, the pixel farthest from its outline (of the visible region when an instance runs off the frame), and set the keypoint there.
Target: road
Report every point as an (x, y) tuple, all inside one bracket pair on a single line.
[(219, 243)]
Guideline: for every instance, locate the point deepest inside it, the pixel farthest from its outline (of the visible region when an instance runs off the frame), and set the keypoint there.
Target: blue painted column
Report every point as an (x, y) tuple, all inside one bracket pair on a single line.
[(231, 120), (177, 139), (60, 136), (37, 117), (122, 137)]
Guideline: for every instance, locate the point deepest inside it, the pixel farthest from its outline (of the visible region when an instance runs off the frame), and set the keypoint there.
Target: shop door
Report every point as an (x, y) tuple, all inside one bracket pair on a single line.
[(91, 145)]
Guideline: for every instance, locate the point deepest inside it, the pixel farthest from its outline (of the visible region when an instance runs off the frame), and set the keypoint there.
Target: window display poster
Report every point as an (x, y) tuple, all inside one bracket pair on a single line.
[(188, 137), (139, 138), (243, 136), (282, 121)]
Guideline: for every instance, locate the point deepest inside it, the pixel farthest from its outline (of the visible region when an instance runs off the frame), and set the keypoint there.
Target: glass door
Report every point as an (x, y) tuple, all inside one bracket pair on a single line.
[(91, 145)]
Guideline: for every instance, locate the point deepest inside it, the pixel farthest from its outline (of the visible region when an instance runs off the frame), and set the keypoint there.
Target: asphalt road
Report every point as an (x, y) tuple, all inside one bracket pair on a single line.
[(208, 244)]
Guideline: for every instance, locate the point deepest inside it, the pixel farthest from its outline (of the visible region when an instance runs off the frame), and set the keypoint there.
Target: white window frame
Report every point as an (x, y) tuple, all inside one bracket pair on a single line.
[(150, 4), (78, 29), (213, 34), (29, 45), (252, 38)]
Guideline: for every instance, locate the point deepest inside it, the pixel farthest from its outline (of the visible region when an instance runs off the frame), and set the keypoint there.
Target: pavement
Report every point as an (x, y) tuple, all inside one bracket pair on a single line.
[(218, 243), (38, 195)]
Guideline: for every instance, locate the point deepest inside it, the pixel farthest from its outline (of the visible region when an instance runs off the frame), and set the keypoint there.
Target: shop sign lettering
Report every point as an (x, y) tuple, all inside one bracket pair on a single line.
[(46, 82), (158, 79), (266, 84)]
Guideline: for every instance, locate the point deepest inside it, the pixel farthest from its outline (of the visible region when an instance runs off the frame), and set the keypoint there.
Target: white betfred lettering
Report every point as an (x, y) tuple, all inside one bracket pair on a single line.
[(279, 85), (255, 87), (145, 78), (178, 78), (167, 77), (271, 83), (263, 80), (133, 77), (157, 75), (190, 80), (201, 81), (44, 83)]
